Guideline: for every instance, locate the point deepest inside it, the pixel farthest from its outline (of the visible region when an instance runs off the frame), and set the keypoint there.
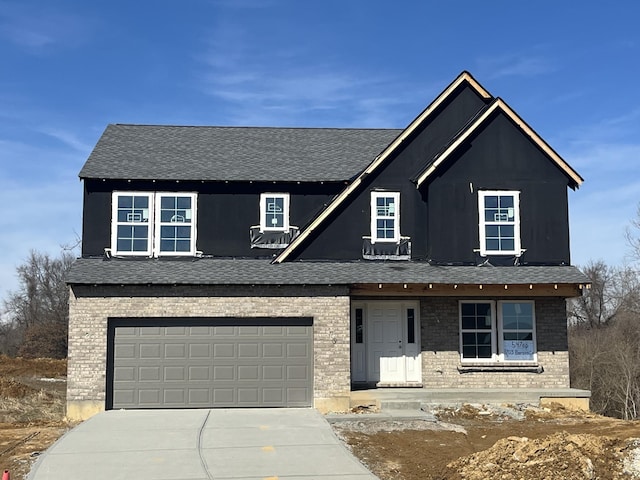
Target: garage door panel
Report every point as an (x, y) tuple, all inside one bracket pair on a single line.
[(224, 372), (273, 372), (150, 350), (299, 350), (255, 363), (149, 374), (124, 374), (200, 350), (205, 331), (222, 350), (199, 396), (252, 331), (175, 350), (200, 373), (148, 331), (248, 372), (125, 351)]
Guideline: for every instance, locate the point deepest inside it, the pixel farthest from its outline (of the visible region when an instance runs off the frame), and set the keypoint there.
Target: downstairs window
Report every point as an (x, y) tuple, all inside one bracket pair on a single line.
[(502, 331)]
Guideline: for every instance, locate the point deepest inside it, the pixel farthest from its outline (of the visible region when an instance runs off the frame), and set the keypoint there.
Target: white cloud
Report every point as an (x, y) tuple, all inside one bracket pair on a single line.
[(34, 27), (67, 138), (291, 83), (517, 64)]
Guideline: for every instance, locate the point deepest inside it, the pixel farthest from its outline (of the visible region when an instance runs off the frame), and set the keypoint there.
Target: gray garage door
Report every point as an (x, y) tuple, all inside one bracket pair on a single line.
[(192, 363)]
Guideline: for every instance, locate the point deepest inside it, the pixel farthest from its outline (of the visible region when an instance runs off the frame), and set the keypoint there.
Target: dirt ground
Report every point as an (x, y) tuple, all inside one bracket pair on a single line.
[(508, 442), (32, 397), (471, 442)]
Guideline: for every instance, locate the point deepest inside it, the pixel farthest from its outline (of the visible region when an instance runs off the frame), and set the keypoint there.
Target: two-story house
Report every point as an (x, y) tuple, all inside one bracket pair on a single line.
[(241, 267)]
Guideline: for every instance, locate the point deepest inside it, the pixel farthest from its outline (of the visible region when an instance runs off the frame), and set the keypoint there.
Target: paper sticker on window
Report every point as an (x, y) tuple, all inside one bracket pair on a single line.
[(518, 350), (392, 208)]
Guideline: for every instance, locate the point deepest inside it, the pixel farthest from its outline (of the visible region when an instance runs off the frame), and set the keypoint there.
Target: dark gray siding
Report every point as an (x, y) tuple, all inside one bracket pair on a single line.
[(225, 212), (499, 157)]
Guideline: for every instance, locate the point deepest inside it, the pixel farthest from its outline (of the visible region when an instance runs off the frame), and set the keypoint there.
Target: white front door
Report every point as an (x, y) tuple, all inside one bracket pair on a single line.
[(385, 346)]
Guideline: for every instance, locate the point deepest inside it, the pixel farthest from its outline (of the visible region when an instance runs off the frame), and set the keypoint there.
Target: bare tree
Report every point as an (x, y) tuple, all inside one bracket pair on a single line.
[(37, 312), (604, 340), (633, 236), (600, 303)]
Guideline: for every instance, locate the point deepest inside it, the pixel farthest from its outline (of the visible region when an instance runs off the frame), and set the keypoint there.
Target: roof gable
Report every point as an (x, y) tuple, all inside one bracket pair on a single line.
[(464, 79), (498, 105)]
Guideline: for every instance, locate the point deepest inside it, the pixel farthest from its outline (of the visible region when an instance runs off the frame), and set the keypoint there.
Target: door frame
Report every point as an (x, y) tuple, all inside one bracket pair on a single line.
[(362, 337)]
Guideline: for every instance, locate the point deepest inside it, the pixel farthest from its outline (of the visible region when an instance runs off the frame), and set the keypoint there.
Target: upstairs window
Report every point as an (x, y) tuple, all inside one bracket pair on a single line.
[(274, 212), (499, 222), (385, 217), (175, 224), (153, 224)]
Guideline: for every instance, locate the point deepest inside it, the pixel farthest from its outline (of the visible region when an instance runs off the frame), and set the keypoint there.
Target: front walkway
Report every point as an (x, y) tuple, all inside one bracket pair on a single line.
[(240, 444)]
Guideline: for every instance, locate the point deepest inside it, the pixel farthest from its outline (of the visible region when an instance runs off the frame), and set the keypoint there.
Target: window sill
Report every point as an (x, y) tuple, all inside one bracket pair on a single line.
[(518, 367)]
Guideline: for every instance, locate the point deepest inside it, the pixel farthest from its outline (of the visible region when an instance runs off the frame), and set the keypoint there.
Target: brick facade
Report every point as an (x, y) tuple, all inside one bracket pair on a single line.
[(90, 308), (440, 332)]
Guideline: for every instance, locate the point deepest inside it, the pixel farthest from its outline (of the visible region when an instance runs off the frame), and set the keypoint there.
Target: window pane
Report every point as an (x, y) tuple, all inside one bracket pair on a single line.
[(385, 228), (183, 245), (469, 351), (492, 231), (491, 201), (140, 245), (469, 322), (509, 322), (483, 309), (183, 232), (490, 214), (484, 338), (507, 245), (175, 238), (184, 203), (411, 328), (468, 309), (167, 202), (274, 212), (468, 339), (175, 209), (359, 325), (506, 231), (484, 352), (518, 336), (517, 322), (125, 201), (506, 201)]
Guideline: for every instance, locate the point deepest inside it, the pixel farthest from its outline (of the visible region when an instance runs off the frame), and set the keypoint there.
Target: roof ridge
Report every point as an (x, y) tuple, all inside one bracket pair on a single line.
[(252, 127)]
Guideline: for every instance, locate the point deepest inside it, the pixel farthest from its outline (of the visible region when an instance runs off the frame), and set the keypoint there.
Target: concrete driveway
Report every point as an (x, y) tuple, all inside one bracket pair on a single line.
[(200, 445)]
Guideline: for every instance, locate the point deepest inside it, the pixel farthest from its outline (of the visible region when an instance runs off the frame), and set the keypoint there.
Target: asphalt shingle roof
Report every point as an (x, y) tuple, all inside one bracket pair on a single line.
[(207, 271), (155, 152)]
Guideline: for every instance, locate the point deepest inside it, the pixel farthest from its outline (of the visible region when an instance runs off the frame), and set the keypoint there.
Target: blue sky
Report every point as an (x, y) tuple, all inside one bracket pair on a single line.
[(68, 68)]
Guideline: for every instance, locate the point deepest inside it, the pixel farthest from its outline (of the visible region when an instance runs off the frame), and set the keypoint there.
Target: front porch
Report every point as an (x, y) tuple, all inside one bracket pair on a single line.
[(417, 398)]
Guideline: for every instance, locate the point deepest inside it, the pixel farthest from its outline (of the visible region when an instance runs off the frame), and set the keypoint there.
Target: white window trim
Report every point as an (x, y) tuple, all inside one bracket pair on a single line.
[(494, 354), (516, 222), (157, 224), (263, 212), (375, 217), (501, 330), (115, 223), (497, 330), (153, 239)]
